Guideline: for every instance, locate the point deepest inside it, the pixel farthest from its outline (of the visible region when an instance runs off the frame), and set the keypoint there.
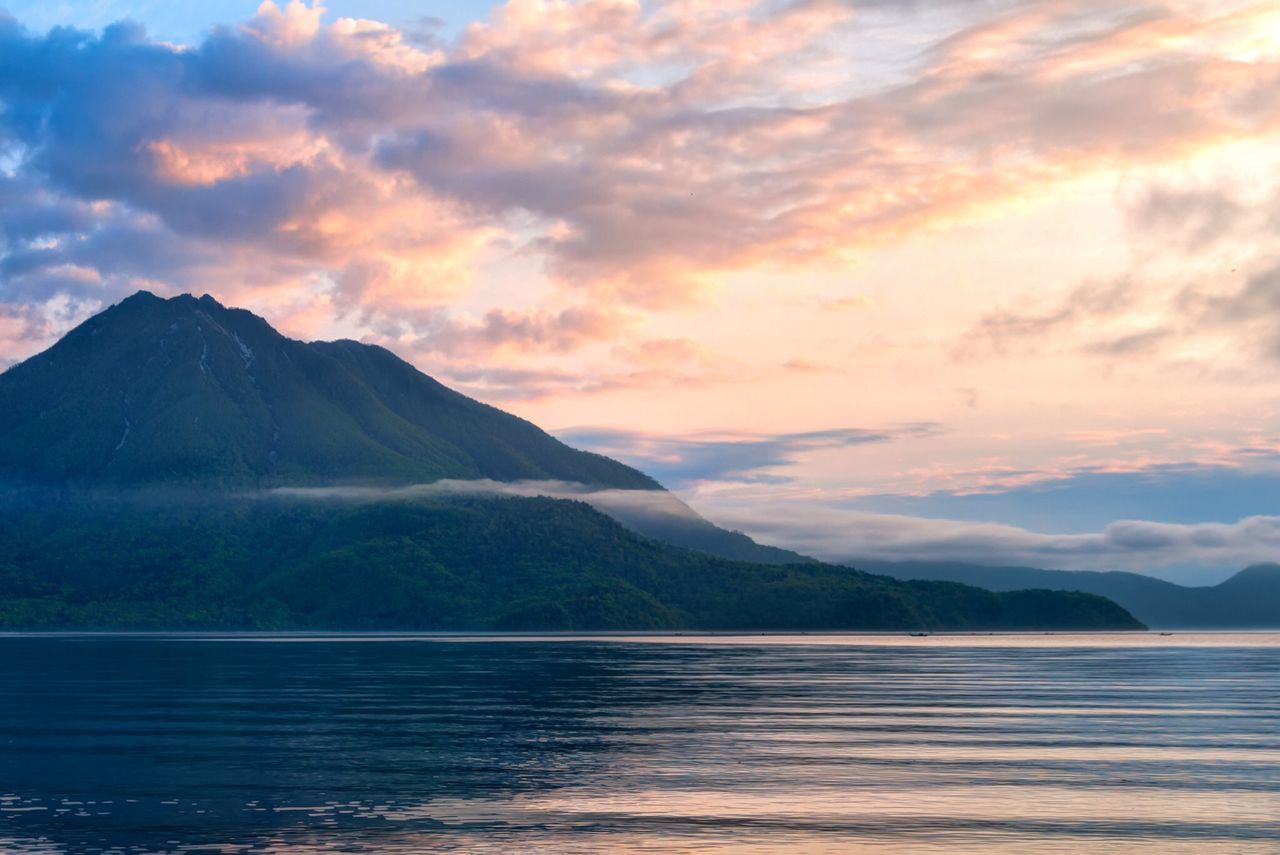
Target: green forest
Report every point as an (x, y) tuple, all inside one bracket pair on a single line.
[(446, 564)]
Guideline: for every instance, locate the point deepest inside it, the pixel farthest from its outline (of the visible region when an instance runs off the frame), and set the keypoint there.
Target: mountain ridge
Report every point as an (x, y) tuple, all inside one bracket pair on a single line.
[(234, 432), (156, 390), (1248, 600), (447, 563), (154, 446)]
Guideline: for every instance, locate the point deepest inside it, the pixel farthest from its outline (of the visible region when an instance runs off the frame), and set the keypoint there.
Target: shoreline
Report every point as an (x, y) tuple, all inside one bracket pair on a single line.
[(1021, 639)]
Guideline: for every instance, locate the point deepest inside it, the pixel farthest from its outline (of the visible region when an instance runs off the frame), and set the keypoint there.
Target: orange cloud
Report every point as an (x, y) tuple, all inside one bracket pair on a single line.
[(637, 151)]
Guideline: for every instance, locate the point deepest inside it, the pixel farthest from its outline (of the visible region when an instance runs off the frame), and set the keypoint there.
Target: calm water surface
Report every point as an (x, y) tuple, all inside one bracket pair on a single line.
[(815, 744)]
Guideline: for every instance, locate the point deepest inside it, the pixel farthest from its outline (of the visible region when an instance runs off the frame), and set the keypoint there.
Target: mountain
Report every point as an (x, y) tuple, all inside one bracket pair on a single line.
[(186, 391), (1248, 600), (662, 516), (452, 563), (175, 463)]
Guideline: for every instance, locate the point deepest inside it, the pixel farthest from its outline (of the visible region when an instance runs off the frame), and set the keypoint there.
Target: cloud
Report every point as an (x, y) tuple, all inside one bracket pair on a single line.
[(1003, 330), (1248, 317), (845, 536), (1257, 300), (511, 384), (661, 363), (531, 330), (1237, 326), (637, 151), (1200, 292), (809, 366), (1244, 481), (443, 487), (194, 178), (680, 462), (1195, 215), (497, 383), (627, 506), (665, 352)]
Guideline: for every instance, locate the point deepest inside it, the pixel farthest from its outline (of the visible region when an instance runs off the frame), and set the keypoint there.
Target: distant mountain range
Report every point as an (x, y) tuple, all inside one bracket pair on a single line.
[(175, 463), (1248, 600)]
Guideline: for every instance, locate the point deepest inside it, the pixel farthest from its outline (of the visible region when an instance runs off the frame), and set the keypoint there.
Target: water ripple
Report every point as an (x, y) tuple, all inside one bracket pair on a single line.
[(399, 744)]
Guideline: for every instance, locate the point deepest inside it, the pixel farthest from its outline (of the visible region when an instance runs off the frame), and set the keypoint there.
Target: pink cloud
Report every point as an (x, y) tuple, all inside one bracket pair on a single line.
[(637, 151)]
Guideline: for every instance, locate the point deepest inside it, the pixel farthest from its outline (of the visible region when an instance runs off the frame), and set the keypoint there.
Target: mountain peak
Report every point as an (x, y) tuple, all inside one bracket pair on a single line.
[(1256, 575), (143, 300), (142, 296), (185, 390), (145, 297)]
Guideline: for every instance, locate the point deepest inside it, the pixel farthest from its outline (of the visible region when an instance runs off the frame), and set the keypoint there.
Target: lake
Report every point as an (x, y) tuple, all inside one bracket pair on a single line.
[(815, 744)]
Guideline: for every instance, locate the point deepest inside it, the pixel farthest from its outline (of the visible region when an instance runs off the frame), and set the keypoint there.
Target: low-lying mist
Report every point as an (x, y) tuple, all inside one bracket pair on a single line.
[(656, 514), (619, 503)]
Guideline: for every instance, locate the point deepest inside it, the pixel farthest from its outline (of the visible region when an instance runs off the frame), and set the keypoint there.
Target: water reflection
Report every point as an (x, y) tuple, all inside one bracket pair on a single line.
[(134, 744)]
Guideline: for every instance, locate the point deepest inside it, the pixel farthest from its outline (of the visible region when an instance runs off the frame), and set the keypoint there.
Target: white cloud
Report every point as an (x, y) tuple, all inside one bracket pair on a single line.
[(835, 534)]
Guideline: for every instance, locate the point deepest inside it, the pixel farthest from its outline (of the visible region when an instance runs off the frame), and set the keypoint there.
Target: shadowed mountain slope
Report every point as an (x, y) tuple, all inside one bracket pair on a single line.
[(186, 391)]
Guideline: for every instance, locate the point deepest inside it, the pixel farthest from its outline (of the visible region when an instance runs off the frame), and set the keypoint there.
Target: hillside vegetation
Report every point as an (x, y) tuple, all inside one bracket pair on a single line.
[(186, 391), (457, 564)]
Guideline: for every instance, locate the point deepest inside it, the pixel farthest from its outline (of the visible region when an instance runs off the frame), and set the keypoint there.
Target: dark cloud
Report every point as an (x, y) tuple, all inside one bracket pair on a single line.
[(1195, 216), (1005, 330), (1258, 300), (29, 212), (1131, 344), (1248, 317)]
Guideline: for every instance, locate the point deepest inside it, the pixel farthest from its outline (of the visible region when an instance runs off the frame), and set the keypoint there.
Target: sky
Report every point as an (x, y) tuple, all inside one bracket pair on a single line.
[(990, 280)]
